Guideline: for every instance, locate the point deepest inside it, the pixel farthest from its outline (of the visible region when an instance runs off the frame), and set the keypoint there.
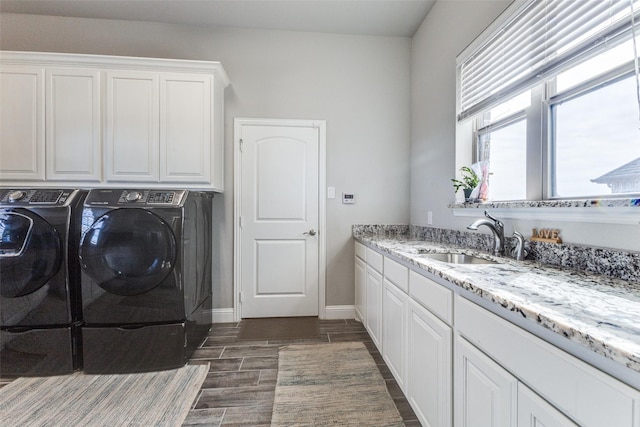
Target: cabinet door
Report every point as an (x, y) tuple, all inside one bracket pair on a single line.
[(430, 375), (584, 393), (394, 331), (22, 123), (73, 125), (485, 393), (132, 126), (185, 132), (534, 411), (374, 306), (360, 288)]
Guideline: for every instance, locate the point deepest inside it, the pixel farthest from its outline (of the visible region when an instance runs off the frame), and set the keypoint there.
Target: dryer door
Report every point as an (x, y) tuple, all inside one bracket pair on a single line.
[(128, 251), (30, 252)]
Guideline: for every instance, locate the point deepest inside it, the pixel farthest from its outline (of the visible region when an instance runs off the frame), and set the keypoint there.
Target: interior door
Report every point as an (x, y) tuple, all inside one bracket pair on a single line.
[(279, 220)]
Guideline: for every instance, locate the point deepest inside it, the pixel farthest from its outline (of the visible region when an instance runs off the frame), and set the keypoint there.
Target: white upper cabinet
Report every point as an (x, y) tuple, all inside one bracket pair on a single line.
[(111, 120), (132, 121), (185, 133), (22, 143), (73, 125)]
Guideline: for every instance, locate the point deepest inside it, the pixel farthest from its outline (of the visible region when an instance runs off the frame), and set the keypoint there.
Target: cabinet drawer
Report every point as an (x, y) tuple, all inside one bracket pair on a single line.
[(396, 273), (581, 391), (374, 260), (361, 251), (433, 296)]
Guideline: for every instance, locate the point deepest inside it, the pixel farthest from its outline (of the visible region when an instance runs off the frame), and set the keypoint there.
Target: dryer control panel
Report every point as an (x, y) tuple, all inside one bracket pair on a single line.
[(136, 198)]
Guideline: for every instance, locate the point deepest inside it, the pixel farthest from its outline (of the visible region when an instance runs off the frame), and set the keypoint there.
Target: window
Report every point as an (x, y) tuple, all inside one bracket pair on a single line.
[(596, 142), (552, 90), (501, 143)]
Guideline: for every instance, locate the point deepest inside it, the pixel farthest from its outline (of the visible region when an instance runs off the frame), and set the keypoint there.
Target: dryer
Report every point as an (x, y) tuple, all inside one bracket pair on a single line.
[(145, 257), (39, 281)]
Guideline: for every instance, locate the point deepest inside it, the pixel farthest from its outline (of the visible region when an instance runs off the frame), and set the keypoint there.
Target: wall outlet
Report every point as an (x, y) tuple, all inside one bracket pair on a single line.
[(429, 217)]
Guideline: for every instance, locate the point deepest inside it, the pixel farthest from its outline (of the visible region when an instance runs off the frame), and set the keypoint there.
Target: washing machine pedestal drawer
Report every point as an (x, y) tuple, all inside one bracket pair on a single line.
[(38, 351), (116, 350)]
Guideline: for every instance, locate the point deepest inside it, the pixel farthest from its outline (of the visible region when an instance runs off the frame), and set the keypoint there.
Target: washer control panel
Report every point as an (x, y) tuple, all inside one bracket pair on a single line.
[(136, 198), (35, 197)]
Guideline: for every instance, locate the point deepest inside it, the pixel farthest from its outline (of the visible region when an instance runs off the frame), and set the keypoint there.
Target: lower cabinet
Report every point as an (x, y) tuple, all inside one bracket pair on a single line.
[(461, 365), (360, 287), (485, 393), (534, 411), (429, 372), (373, 311), (581, 392), (394, 331)]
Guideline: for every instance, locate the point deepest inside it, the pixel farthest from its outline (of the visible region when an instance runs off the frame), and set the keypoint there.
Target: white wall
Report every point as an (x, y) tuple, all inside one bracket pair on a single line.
[(447, 30), (359, 84), (450, 26)]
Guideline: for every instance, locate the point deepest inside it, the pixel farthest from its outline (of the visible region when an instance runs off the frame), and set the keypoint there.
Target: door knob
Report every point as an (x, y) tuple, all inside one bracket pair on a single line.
[(311, 232)]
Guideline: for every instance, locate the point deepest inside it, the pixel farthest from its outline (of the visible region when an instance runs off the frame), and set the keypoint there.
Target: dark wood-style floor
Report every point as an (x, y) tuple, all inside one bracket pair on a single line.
[(240, 386)]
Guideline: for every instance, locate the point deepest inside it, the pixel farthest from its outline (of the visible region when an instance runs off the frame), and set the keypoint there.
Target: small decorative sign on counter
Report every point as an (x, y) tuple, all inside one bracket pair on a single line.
[(547, 235)]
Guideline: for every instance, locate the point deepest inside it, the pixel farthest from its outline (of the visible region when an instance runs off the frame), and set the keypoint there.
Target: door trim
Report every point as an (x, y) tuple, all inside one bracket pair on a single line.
[(237, 197)]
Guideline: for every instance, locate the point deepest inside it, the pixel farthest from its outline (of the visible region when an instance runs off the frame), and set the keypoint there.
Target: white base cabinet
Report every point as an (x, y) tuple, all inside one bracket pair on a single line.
[(460, 364), (394, 331), (534, 411), (485, 393), (373, 312), (88, 120), (429, 370), (581, 392), (395, 307), (361, 281), (488, 395)]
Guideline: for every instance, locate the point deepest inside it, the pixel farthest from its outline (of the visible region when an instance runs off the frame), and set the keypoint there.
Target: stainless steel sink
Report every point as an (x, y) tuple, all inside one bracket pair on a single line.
[(453, 258)]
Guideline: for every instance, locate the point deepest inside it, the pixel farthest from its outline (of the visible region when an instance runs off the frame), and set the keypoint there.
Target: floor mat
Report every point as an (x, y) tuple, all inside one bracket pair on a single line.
[(148, 399), (336, 384), (275, 328)]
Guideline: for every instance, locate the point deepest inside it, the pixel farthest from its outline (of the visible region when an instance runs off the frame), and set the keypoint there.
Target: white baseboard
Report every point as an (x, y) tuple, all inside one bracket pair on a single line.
[(335, 312), (222, 315)]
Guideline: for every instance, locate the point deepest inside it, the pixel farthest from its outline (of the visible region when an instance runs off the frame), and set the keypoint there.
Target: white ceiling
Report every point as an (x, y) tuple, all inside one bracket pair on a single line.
[(367, 17)]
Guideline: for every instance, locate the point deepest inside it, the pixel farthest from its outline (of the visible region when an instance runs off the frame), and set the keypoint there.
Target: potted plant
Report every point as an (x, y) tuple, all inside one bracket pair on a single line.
[(469, 181)]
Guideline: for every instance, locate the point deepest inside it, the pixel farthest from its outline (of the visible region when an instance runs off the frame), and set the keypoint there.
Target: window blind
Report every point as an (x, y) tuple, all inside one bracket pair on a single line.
[(541, 39)]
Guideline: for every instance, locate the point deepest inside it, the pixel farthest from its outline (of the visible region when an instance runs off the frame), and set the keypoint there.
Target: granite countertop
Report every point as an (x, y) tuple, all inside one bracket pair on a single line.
[(598, 312)]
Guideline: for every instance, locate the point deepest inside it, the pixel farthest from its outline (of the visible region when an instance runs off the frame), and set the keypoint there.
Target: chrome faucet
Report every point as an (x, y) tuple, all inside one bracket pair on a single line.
[(496, 227)]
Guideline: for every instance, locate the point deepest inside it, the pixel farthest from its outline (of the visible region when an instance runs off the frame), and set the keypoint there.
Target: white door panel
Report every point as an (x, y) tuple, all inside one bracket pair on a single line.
[(281, 192), (280, 267), (279, 208)]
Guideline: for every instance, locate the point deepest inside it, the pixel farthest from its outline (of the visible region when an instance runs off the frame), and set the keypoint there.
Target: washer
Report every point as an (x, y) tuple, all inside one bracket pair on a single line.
[(146, 278), (39, 281)]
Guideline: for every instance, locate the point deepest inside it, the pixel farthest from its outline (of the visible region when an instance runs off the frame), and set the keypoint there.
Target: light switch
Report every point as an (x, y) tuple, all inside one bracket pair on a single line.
[(331, 192)]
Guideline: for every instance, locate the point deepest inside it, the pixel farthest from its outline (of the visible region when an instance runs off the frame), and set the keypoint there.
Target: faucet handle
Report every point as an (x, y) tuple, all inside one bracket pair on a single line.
[(492, 218), (519, 252)]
